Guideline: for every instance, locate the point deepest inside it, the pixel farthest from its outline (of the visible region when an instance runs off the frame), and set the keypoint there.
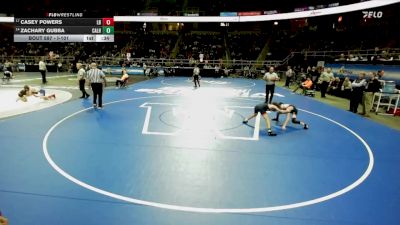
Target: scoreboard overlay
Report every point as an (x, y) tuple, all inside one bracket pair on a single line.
[(64, 30)]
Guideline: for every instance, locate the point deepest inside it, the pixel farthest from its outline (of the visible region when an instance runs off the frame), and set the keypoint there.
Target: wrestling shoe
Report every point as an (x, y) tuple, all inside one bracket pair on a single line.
[(270, 133)]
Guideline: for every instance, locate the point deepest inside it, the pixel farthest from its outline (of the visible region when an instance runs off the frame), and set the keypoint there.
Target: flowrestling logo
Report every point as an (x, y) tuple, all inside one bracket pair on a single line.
[(372, 14)]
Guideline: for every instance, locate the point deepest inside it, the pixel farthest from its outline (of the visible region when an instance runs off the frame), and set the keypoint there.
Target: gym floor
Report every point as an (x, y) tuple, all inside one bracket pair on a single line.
[(163, 152)]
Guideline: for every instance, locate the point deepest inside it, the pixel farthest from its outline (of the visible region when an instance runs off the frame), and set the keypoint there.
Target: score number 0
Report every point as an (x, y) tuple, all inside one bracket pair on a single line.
[(108, 21)]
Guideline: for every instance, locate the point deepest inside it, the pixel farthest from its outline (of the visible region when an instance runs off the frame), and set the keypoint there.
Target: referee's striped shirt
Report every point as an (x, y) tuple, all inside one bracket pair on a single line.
[(95, 75)]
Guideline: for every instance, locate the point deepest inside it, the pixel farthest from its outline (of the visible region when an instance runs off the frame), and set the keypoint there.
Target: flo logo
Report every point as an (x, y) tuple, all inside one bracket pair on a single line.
[(372, 14)]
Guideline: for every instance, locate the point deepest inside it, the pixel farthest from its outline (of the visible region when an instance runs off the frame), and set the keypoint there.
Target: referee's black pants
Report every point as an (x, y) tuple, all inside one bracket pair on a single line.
[(269, 91), (324, 88), (82, 88), (97, 89), (43, 72), (196, 80)]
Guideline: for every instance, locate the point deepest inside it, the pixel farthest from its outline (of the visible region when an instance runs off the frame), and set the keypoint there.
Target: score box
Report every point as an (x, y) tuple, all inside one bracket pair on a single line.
[(108, 30), (108, 22)]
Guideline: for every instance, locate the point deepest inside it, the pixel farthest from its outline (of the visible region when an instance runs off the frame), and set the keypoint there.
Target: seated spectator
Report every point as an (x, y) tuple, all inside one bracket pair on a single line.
[(299, 80), (120, 82), (306, 85), (147, 72)]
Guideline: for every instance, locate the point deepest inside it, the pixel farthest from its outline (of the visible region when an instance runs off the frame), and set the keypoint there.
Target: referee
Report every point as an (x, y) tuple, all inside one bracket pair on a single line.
[(196, 76), (96, 79), (270, 77)]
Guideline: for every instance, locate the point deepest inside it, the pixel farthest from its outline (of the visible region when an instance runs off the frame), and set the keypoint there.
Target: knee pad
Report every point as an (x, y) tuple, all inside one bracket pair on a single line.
[(295, 121)]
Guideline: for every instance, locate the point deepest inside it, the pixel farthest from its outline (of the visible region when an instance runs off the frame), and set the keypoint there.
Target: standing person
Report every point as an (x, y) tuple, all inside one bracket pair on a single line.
[(216, 71), (42, 70), (246, 71), (373, 86), (81, 79), (59, 67), (262, 109), (346, 88), (196, 76), (289, 76), (380, 74), (8, 65), (291, 111), (325, 78), (358, 87), (96, 79), (270, 78), (315, 77)]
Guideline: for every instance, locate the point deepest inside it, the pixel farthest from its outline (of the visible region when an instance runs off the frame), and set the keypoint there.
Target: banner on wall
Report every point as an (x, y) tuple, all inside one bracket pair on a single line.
[(117, 70), (392, 72)]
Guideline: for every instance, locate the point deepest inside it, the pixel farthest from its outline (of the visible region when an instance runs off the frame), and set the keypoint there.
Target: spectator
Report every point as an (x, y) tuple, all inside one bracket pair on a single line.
[(8, 65), (373, 86), (226, 72), (59, 67), (380, 74), (42, 70), (358, 87), (314, 75), (216, 70), (306, 85), (289, 75), (325, 78), (334, 87), (246, 71), (346, 88), (123, 79)]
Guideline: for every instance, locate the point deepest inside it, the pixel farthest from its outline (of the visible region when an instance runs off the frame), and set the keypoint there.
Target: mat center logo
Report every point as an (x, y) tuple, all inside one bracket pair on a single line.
[(222, 122)]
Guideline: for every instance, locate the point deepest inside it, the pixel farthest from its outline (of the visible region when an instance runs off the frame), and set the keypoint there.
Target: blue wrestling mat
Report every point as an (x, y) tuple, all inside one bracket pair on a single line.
[(163, 152)]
